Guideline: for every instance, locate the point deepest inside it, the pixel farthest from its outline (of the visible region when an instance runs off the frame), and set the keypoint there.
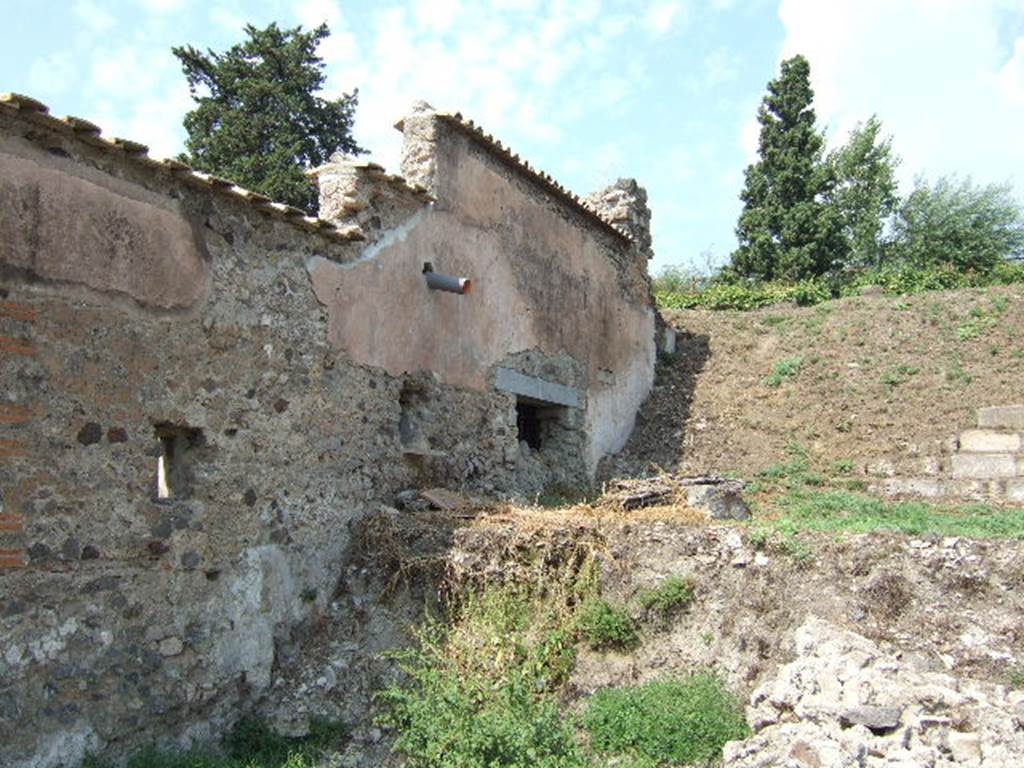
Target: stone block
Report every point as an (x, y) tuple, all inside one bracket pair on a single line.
[(1015, 490), (517, 383), (1002, 417), (984, 465), (927, 487), (989, 441), (976, 490)]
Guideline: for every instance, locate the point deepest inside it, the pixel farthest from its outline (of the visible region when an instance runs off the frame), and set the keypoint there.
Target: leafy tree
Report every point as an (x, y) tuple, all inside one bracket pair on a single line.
[(955, 222), (259, 121), (788, 229), (865, 194)]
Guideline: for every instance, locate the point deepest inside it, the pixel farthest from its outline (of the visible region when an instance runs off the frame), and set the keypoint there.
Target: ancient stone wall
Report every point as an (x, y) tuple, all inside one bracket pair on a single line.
[(203, 390), (548, 276)]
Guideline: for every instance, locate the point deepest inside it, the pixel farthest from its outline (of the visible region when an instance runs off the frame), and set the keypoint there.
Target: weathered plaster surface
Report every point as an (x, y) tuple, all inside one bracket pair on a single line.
[(540, 281), (64, 223)]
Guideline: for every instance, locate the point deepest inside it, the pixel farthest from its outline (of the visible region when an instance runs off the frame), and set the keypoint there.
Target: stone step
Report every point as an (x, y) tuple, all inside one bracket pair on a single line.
[(985, 466), (1011, 490), (1002, 417), (989, 441)]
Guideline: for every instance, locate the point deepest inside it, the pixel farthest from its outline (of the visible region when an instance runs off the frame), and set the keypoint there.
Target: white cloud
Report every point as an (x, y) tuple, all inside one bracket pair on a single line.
[(164, 6), (934, 72), (1011, 77), (662, 16), (93, 16), (524, 70)]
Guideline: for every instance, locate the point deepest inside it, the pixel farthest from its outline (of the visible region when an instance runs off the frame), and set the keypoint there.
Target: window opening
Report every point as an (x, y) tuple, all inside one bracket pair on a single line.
[(173, 464), (536, 421)]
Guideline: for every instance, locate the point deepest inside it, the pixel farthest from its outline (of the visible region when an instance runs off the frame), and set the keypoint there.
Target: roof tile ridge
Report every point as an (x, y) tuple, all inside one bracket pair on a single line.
[(89, 133)]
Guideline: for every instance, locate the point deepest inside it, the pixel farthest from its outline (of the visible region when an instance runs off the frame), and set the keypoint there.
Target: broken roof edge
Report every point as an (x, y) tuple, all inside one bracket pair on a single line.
[(89, 133), (375, 171), (545, 180)]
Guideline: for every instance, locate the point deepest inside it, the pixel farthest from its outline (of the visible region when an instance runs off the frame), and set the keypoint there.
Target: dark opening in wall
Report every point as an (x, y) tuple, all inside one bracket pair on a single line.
[(410, 428), (535, 420), (174, 461)]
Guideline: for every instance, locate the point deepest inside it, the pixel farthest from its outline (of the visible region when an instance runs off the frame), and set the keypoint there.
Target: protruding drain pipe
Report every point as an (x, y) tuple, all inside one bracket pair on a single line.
[(438, 282)]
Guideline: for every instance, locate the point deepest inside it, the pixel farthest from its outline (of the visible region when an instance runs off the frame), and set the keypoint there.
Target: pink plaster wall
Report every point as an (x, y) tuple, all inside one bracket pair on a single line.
[(62, 222)]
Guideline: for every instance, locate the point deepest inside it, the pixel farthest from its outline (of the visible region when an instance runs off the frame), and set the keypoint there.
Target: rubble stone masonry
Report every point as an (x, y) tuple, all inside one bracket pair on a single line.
[(202, 391)]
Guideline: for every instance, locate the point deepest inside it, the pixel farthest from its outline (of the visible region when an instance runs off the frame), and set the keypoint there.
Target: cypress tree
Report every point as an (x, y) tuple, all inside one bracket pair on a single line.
[(788, 230)]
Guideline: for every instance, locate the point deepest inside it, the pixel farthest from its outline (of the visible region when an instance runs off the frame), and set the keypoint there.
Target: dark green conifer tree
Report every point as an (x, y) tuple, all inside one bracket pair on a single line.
[(259, 121), (788, 230)]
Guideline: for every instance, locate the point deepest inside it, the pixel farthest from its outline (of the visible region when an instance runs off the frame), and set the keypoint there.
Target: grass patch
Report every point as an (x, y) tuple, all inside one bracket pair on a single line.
[(837, 510), (899, 375), (673, 594), (603, 626), (666, 722), (250, 745), (784, 370)]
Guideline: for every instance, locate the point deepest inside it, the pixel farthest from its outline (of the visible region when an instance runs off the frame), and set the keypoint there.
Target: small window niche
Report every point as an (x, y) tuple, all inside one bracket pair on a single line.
[(174, 461), (536, 421)]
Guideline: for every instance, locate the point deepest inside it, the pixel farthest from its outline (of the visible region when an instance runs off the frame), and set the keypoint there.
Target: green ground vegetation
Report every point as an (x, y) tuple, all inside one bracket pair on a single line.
[(666, 722), (249, 745), (795, 496), (484, 689)]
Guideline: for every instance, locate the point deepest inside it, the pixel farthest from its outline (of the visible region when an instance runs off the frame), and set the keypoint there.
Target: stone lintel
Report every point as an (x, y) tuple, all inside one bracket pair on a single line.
[(516, 383)]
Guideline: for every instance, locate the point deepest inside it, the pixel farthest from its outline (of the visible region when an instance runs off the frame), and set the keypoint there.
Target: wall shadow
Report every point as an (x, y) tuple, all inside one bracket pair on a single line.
[(659, 439)]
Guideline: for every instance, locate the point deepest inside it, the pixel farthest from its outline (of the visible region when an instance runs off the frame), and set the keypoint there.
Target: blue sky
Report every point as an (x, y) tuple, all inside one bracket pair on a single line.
[(588, 90)]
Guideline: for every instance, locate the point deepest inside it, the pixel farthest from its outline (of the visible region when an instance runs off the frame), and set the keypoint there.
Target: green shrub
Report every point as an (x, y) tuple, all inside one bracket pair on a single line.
[(446, 719), (678, 279), (668, 721), (673, 594), (603, 626), (480, 691), (894, 279)]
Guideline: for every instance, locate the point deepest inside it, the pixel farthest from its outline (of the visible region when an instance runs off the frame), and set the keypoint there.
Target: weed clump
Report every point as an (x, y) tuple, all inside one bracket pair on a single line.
[(480, 692), (674, 594), (603, 626), (784, 370), (667, 721)]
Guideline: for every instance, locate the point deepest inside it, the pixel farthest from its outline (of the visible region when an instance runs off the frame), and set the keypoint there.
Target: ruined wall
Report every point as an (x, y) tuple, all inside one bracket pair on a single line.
[(547, 277), (193, 420), (136, 306)]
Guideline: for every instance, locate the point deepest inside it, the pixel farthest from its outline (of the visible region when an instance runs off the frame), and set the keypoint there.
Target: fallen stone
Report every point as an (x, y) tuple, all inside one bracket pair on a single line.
[(989, 441), (721, 498), (90, 434), (983, 465), (442, 498), (171, 646), (799, 721), (965, 747), (875, 719)]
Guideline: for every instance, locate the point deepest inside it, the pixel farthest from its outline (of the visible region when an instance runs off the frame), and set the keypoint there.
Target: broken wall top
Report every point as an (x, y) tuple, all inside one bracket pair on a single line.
[(421, 130)]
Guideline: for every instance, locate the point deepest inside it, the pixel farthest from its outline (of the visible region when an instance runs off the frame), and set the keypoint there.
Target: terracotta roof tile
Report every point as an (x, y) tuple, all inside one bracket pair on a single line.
[(89, 133), (544, 179)]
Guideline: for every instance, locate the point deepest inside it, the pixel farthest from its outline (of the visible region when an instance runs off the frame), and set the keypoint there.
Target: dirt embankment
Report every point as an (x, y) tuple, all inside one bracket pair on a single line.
[(860, 380), (954, 604)]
